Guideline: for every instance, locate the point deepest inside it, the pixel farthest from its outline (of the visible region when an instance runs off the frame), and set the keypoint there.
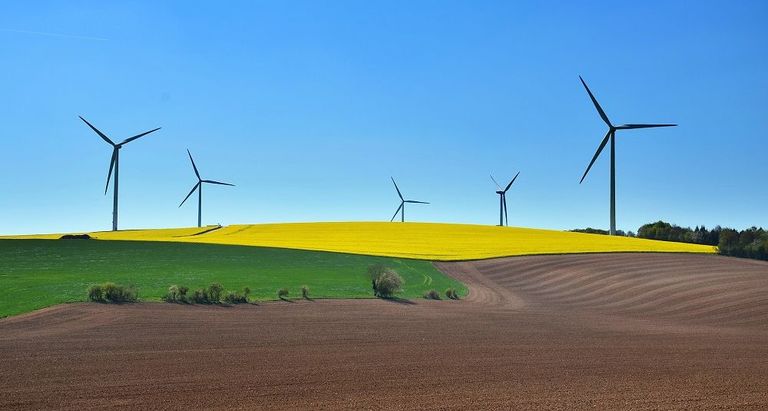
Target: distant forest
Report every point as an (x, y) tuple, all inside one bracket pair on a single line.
[(749, 243)]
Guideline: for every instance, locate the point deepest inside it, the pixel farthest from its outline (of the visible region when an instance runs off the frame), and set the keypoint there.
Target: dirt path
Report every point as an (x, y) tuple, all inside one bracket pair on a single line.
[(630, 331)]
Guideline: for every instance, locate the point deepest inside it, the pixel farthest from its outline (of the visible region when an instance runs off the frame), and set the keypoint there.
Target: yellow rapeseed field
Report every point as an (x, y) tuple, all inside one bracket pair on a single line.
[(427, 241)]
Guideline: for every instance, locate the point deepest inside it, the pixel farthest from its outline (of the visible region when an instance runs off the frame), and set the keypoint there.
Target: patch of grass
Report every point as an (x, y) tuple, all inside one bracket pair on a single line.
[(40, 273)]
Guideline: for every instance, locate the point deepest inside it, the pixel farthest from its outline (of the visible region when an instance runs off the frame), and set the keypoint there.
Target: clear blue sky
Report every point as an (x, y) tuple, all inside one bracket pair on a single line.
[(309, 107)]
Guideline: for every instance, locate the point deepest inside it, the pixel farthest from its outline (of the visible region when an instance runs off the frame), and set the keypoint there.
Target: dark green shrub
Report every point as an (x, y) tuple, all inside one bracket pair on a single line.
[(452, 294), (282, 293), (183, 294), (200, 296), (112, 293), (95, 293), (233, 297), (214, 293), (305, 292), (432, 295), (172, 295)]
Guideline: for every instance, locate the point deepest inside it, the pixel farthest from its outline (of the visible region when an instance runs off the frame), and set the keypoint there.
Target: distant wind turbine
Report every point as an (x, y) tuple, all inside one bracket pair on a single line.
[(611, 135), (401, 209), (199, 188), (503, 200), (114, 165)]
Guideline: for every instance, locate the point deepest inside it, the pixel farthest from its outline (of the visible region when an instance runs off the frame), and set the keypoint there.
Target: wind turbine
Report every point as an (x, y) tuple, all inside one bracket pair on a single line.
[(503, 200), (611, 135), (401, 209), (199, 188), (114, 164)]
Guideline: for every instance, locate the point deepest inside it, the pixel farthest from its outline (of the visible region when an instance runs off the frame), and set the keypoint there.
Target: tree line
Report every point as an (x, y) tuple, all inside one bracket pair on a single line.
[(749, 243)]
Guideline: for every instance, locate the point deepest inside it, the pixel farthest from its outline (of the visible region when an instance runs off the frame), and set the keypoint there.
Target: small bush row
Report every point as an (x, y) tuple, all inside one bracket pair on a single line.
[(112, 293), (450, 293), (213, 294), (283, 293)]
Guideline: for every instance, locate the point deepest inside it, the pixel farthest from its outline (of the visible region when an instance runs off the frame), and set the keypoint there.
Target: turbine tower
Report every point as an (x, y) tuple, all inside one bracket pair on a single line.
[(199, 188), (401, 209), (503, 200), (611, 135), (114, 165)]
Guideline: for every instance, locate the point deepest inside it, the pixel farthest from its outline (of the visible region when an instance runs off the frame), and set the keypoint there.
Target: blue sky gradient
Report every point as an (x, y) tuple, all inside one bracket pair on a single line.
[(309, 108)]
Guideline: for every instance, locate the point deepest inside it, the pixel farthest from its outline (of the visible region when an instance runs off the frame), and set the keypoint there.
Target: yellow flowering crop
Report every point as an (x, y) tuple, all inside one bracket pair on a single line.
[(427, 241)]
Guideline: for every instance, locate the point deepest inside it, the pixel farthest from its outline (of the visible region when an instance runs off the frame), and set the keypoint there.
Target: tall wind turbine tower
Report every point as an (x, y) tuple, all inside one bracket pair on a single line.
[(114, 165), (611, 136), (503, 200), (199, 188)]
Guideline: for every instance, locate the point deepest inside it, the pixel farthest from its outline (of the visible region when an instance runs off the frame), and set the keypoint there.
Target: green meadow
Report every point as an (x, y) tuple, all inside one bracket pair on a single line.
[(40, 273)]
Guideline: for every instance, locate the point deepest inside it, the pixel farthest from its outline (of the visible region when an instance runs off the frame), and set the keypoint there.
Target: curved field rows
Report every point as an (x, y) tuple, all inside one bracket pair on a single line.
[(616, 331), (692, 289)]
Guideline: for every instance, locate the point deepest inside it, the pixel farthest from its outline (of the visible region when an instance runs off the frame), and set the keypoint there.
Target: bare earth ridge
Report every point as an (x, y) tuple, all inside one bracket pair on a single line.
[(615, 331)]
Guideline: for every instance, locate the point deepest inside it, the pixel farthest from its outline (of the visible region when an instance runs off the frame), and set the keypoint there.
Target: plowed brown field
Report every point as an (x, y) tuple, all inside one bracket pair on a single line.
[(610, 331)]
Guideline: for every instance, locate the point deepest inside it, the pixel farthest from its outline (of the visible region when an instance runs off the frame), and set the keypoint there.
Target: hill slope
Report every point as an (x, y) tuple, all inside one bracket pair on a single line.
[(427, 241), (39, 273)]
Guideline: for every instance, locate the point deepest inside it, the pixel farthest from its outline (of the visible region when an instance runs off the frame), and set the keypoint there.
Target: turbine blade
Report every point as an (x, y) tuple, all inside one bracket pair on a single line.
[(415, 202), (111, 166), (190, 193), (216, 182), (128, 140), (506, 217), (395, 215), (396, 188), (597, 153), (495, 182), (193, 165), (510, 183), (631, 126), (597, 105), (105, 138)]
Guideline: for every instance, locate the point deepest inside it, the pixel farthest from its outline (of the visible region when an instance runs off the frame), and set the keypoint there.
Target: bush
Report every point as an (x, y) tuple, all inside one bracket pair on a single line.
[(214, 293), (112, 293), (282, 293), (172, 295), (183, 294), (452, 294), (233, 297), (200, 296), (388, 283), (305, 292), (374, 271), (95, 293), (432, 295)]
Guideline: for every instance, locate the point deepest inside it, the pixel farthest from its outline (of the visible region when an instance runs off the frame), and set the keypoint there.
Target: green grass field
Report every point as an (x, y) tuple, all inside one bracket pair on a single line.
[(40, 273)]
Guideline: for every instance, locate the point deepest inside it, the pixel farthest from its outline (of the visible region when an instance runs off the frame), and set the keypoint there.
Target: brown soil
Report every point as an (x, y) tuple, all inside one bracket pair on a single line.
[(620, 331)]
